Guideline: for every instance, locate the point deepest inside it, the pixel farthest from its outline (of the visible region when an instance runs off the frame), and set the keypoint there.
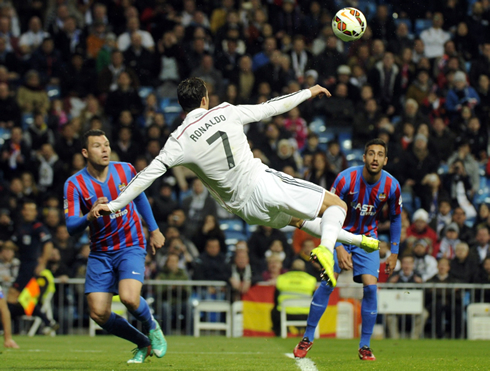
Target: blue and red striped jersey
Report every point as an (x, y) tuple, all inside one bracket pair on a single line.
[(112, 232), (365, 201)]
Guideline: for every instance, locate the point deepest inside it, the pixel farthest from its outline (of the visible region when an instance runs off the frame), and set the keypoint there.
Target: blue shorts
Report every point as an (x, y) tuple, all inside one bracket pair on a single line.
[(106, 268), (363, 262)]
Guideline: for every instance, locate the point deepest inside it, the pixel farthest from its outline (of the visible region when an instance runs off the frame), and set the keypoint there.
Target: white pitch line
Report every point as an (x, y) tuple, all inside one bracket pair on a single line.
[(304, 364)]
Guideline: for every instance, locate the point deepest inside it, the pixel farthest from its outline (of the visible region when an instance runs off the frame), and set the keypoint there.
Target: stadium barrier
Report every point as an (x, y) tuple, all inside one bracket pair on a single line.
[(410, 310)]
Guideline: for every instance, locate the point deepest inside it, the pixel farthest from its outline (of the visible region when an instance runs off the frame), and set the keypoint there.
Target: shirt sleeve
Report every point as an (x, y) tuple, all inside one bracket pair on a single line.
[(143, 206), (396, 205), (71, 204), (257, 112)]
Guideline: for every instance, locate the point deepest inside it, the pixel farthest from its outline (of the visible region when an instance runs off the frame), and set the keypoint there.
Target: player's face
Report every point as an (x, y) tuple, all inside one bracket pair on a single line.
[(375, 159), (98, 151)]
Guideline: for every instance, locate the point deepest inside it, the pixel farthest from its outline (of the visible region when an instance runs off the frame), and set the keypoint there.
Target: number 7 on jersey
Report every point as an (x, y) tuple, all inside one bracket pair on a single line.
[(226, 143)]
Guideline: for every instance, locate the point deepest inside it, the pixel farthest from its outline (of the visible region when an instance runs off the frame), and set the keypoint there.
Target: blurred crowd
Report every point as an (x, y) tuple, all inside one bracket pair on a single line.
[(418, 78)]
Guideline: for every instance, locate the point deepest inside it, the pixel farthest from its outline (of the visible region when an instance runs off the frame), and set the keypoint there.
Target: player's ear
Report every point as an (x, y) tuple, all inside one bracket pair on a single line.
[(386, 161), (84, 152)]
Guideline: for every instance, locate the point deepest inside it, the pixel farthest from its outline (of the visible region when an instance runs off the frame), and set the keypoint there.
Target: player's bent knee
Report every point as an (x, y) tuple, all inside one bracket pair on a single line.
[(131, 303), (100, 316)]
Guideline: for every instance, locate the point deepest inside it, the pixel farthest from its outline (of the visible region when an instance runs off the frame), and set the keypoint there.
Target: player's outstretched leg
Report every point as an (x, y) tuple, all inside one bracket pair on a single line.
[(151, 327), (324, 257), (317, 308), (367, 243)]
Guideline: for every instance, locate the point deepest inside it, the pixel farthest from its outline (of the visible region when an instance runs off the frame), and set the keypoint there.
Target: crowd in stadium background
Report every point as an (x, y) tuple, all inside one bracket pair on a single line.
[(418, 78)]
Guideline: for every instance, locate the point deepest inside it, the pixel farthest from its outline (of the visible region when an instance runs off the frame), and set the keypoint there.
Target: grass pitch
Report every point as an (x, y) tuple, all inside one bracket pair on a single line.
[(219, 353)]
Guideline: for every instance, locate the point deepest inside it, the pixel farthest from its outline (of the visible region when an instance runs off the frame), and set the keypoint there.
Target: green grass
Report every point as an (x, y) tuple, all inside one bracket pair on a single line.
[(219, 353)]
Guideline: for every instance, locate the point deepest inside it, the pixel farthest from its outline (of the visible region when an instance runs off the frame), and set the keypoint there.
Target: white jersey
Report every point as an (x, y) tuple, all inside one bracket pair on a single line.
[(213, 145)]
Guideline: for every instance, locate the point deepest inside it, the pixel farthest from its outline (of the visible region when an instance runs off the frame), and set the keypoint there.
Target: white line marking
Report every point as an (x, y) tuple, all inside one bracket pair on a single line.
[(217, 353), (304, 364)]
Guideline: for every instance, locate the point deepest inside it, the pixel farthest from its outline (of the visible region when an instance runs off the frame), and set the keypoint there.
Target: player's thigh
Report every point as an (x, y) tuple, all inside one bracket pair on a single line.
[(130, 292), (130, 264), (277, 193), (364, 263), (331, 199), (100, 276)]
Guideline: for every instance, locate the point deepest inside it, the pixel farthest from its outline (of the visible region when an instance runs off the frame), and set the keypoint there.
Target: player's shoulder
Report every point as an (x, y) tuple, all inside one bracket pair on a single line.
[(349, 172), (124, 165), (74, 178), (386, 174)]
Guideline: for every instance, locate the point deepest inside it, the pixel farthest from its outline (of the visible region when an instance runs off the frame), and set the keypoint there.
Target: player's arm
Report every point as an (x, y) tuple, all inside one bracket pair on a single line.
[(143, 205), (74, 222), (395, 226), (46, 254), (279, 105)]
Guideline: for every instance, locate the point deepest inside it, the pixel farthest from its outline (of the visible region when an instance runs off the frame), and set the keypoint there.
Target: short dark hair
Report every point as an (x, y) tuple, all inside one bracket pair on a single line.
[(91, 133), (190, 93), (376, 141)]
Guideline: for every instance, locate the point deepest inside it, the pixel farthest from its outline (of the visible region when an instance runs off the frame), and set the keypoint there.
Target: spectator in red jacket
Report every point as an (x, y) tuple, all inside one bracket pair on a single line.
[(420, 229)]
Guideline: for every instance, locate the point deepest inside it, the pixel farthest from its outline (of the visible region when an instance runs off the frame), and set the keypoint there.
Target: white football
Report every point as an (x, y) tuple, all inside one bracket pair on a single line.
[(349, 24)]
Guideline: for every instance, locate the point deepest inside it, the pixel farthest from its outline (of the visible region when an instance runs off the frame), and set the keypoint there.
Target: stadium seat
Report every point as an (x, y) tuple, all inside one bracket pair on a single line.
[(27, 120), (325, 137), (237, 319), (235, 225), (295, 303), (46, 309), (210, 306), (117, 307), (406, 21), (345, 320), (408, 202), (317, 125), (478, 315), (368, 7), (345, 140)]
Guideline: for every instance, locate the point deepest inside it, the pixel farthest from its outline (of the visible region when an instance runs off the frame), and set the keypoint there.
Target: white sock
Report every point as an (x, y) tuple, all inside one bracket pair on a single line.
[(314, 228), (332, 222), (349, 238)]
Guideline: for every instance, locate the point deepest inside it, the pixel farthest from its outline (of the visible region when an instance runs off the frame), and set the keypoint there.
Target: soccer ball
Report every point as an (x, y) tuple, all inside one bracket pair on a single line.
[(349, 24)]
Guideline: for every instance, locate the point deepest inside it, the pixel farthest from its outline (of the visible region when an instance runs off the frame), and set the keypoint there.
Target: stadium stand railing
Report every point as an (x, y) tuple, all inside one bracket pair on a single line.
[(176, 314)]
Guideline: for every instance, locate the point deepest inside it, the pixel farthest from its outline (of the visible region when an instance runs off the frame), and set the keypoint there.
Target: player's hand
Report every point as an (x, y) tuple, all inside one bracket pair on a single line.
[(319, 91), (391, 264), (10, 343), (98, 211), (344, 258), (157, 240)]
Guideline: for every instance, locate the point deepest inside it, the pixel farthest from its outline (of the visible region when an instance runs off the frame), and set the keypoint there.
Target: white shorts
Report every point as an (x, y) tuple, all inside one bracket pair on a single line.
[(278, 197)]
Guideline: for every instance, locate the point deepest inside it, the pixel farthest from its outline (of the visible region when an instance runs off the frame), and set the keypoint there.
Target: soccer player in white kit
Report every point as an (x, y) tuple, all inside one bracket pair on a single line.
[(212, 143)]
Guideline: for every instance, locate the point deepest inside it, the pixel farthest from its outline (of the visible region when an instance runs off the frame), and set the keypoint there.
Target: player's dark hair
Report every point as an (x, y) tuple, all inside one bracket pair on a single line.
[(376, 141), (190, 93), (91, 133)]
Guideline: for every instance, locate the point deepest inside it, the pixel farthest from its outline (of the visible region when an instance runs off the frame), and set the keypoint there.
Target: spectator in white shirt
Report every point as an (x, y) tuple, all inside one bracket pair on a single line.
[(425, 264), (435, 37), (133, 25), (32, 39)]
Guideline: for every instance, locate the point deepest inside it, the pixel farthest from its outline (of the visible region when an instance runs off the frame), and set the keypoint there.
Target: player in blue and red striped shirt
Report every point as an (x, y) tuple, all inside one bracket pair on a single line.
[(365, 190), (116, 262)]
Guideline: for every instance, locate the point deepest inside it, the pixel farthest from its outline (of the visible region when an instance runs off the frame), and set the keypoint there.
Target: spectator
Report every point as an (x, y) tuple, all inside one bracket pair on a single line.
[(96, 39), (461, 95), (108, 76), (51, 171), (420, 229), (48, 62), (465, 42), (103, 57), (211, 265), (401, 40), (481, 65), (425, 263), (384, 254), (15, 154), (38, 133), (227, 61), (274, 269), (69, 40), (32, 39), (471, 167), (9, 59), (445, 310), (480, 250), (197, 206), (9, 107), (124, 98), (6, 224), (67, 144), (6, 34), (327, 62), (442, 219), (365, 121), (125, 147), (336, 158), (140, 60), (241, 278), (208, 73), (435, 37), (447, 247), (311, 267), (420, 88), (442, 139), (31, 96), (292, 285), (463, 265), (477, 138), (9, 264), (385, 78), (58, 267), (382, 24), (79, 80), (209, 228), (483, 277), (320, 171), (133, 26)]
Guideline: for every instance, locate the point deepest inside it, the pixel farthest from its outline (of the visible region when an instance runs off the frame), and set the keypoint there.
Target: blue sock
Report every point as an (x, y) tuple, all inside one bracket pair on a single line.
[(143, 315), (369, 312), (317, 308), (116, 325)]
